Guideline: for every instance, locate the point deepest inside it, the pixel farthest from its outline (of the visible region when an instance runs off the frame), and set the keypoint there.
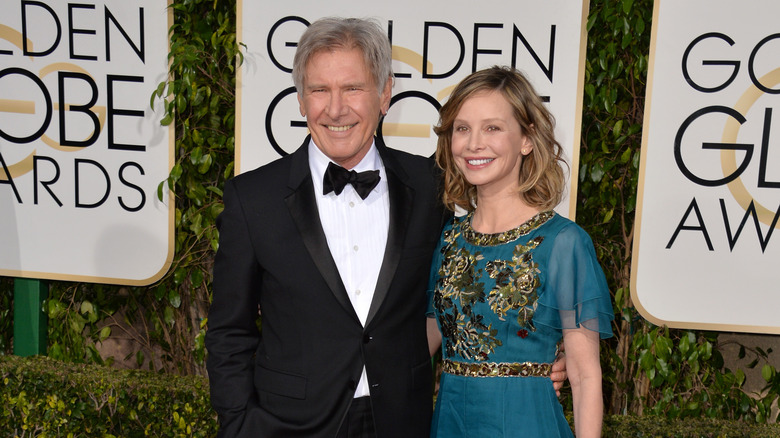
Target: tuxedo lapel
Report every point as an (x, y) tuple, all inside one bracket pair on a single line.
[(303, 208), (401, 196)]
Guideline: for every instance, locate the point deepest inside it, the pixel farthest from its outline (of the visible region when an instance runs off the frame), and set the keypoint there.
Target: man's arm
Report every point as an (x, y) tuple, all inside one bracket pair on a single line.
[(232, 336), (558, 375)]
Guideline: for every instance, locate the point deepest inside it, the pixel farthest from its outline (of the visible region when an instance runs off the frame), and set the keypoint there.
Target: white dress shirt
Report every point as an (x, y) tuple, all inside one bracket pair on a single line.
[(356, 230)]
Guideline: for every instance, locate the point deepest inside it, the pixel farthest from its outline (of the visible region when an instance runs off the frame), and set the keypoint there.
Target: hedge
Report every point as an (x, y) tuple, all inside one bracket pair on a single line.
[(629, 426), (47, 398)]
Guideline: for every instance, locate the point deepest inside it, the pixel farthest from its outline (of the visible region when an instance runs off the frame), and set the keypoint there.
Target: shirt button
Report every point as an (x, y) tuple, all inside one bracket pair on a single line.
[(355, 247), (351, 204), (357, 292)]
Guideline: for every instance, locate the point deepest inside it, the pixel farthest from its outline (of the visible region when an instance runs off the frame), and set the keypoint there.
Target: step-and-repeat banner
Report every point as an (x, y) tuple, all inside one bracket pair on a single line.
[(435, 44), (81, 150), (707, 250)]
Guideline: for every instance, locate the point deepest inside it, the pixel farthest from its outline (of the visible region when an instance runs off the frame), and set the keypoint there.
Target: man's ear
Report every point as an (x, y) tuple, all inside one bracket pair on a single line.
[(301, 106), (386, 95)]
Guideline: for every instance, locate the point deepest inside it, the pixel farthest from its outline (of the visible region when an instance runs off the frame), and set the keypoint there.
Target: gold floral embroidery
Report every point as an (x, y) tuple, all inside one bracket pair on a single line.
[(516, 281), (516, 284), (465, 333)]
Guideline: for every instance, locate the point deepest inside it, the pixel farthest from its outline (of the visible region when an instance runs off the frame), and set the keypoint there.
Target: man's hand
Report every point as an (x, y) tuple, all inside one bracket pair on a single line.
[(558, 375)]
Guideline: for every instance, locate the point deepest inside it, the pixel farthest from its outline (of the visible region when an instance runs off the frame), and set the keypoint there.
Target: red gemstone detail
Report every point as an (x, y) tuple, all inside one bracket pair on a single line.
[(522, 333)]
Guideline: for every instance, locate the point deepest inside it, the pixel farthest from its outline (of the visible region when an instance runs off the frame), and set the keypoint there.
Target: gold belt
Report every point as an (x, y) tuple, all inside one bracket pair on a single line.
[(488, 369)]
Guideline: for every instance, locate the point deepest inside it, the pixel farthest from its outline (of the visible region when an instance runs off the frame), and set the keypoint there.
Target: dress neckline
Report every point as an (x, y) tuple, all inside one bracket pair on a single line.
[(474, 237)]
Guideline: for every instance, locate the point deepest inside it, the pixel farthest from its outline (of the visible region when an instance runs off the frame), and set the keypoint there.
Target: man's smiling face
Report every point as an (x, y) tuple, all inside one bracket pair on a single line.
[(342, 104)]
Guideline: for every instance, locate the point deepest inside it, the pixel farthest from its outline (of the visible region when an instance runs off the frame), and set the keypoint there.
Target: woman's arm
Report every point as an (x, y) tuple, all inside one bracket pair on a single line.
[(434, 335), (584, 369)]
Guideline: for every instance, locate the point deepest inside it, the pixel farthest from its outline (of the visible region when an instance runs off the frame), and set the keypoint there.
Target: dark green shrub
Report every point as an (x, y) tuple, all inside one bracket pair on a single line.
[(45, 397), (627, 426)]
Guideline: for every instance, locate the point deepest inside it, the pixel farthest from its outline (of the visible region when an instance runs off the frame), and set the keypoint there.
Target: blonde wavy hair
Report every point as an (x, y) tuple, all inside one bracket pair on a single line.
[(541, 177)]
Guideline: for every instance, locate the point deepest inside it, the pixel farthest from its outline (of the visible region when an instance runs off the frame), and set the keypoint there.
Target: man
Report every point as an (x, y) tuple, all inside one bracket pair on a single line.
[(338, 271)]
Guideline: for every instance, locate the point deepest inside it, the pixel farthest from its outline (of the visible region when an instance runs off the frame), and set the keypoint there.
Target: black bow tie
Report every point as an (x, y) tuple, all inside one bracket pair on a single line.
[(337, 177)]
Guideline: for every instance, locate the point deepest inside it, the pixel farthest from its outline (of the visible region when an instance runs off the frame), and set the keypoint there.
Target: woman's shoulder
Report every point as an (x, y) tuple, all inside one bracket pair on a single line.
[(566, 230)]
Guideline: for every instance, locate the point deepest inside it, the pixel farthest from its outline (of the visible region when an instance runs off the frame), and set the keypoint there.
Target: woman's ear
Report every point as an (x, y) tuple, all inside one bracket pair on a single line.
[(528, 145)]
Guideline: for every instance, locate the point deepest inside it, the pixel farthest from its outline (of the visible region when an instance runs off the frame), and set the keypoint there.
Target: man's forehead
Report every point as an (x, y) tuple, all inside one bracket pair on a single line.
[(356, 70)]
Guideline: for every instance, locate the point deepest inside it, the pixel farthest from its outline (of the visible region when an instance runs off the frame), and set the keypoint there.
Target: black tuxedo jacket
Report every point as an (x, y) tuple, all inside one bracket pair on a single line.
[(297, 376)]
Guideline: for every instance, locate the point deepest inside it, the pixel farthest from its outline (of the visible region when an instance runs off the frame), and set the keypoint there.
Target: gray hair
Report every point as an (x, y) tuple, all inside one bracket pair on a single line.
[(333, 33)]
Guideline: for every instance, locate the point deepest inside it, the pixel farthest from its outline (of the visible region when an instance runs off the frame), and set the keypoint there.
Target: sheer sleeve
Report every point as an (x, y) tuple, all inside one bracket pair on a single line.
[(576, 293)]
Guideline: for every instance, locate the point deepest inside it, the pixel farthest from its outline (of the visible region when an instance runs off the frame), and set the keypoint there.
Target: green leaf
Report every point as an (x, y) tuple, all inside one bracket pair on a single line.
[(196, 278), (55, 308), (167, 119), (160, 187), (76, 323), (176, 172), (168, 316), (205, 164), (596, 172), (174, 298), (617, 128), (105, 332), (179, 275), (767, 372), (662, 367), (619, 297), (646, 360)]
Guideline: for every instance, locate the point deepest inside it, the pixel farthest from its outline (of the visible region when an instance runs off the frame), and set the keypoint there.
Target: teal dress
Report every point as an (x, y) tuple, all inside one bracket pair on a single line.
[(502, 301)]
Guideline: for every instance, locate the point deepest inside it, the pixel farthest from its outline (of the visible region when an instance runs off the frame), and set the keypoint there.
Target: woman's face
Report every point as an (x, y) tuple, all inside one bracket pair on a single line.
[(488, 144)]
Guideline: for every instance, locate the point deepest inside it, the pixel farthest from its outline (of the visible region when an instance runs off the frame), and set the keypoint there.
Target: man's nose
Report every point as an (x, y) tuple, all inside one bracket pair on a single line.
[(336, 105)]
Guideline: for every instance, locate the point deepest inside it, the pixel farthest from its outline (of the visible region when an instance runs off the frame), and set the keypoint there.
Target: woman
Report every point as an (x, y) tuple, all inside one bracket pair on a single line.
[(511, 278)]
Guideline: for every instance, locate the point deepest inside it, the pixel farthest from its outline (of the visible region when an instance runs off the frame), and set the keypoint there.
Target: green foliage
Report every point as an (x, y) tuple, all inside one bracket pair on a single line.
[(200, 97), (73, 329), (685, 378), (628, 426), (44, 397)]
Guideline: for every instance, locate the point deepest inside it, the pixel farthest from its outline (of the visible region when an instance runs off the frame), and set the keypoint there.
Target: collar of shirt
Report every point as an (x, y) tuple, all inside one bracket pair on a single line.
[(318, 162)]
